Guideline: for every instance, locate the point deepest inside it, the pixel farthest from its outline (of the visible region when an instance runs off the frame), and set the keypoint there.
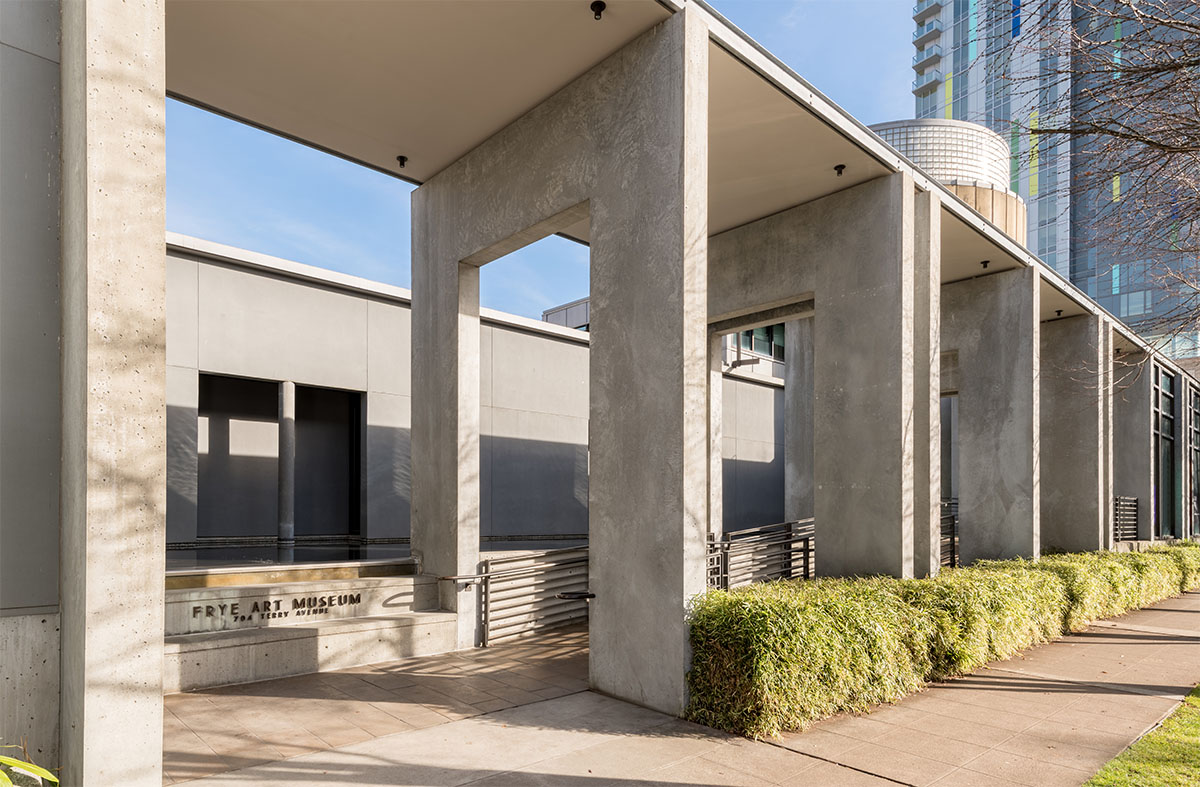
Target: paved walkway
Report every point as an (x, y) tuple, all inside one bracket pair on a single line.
[(1052, 716)]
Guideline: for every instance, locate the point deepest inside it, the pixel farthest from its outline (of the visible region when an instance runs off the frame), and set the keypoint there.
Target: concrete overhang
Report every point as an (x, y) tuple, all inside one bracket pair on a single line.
[(432, 79)]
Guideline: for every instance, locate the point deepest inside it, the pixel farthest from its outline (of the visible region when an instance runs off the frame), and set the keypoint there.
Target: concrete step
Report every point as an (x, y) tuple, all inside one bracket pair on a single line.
[(246, 607), (221, 658)]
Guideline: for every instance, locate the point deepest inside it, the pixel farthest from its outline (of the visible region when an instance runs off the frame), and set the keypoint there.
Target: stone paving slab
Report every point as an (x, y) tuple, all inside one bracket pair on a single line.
[(1051, 716)]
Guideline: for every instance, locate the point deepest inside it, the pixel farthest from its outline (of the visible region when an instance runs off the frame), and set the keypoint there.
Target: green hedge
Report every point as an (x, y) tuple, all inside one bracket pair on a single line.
[(780, 655)]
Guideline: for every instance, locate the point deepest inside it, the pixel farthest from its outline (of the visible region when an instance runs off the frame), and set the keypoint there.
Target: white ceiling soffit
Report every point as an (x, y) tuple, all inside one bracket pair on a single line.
[(372, 80)]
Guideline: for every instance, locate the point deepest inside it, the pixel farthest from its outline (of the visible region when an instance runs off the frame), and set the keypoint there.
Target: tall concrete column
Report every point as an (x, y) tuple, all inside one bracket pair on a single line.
[(993, 322), (798, 420), (648, 489), (445, 433), (287, 470), (114, 391), (863, 408), (1133, 438), (1075, 494), (927, 370), (716, 418)]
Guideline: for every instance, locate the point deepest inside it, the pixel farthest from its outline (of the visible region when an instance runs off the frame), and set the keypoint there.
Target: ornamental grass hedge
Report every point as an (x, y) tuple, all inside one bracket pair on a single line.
[(780, 655)]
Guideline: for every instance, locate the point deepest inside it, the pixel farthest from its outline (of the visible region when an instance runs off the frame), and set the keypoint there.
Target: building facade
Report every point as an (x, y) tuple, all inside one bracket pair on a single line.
[(719, 193), (1000, 64)]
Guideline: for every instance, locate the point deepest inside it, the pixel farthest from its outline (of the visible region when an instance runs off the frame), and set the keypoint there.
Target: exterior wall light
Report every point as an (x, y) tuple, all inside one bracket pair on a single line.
[(598, 8), (839, 169), (984, 263), (401, 160)]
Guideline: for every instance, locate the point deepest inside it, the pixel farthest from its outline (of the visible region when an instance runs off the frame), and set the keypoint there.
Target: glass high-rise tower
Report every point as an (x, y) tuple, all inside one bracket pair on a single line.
[(988, 62)]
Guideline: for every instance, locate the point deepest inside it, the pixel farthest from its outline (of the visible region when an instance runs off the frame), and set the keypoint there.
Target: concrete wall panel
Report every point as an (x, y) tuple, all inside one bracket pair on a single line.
[(528, 373), (389, 337), (389, 468), (310, 335), (29, 677), (1075, 496), (1133, 442), (29, 322), (183, 312), (31, 26), (183, 402)]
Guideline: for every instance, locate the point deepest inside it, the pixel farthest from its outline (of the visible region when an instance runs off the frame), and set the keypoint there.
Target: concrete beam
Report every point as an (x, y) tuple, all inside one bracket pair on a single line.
[(114, 391), (1076, 495), (992, 323)]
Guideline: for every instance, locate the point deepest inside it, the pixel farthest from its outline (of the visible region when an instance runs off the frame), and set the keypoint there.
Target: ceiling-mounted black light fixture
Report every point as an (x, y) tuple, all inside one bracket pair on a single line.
[(1058, 312), (984, 263), (598, 8), (839, 169), (401, 160)]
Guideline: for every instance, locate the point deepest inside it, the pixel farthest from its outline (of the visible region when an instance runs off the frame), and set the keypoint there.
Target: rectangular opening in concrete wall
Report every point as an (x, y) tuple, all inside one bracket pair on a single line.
[(238, 459), (241, 472), (752, 427), (328, 469), (534, 399)]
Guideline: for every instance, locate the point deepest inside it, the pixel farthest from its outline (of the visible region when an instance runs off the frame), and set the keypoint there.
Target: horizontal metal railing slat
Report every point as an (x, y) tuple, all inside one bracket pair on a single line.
[(520, 593)]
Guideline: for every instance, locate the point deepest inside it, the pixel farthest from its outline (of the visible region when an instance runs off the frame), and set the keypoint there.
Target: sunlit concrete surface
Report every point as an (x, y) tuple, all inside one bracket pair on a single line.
[(1053, 715)]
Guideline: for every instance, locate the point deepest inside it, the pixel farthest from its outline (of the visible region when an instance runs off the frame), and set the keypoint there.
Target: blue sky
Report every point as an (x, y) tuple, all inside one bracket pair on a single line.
[(236, 185)]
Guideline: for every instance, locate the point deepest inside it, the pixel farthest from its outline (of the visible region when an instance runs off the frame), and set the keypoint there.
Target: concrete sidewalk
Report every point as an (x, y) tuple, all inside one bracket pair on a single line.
[(1052, 716)]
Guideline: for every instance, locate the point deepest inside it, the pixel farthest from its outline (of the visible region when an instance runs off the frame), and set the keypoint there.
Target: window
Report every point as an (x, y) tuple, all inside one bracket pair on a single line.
[(1166, 517), (766, 341)]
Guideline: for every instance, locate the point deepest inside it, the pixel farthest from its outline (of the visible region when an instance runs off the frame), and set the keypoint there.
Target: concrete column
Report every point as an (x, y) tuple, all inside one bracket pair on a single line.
[(716, 418), (1133, 438), (648, 495), (863, 354), (1076, 497), (927, 421), (445, 434), (287, 470), (798, 420), (114, 391), (993, 324)]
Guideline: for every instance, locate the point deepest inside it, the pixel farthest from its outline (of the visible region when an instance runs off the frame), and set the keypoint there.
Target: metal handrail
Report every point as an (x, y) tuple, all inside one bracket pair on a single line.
[(551, 589), (780, 551)]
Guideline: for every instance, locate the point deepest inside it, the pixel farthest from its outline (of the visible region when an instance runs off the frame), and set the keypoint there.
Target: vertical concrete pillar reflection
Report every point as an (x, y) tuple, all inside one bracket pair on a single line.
[(927, 373), (287, 471), (113, 484), (1075, 493), (798, 420)]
